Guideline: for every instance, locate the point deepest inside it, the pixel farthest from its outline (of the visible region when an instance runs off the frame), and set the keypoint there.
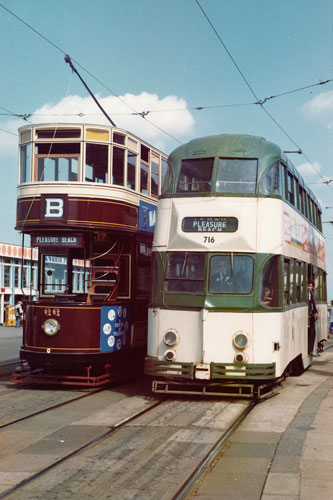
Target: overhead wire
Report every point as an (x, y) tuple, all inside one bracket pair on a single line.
[(144, 114), (260, 103), (87, 71), (25, 116)]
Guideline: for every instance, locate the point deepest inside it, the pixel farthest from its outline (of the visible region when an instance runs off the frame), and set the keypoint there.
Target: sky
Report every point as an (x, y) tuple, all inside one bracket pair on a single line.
[(171, 57)]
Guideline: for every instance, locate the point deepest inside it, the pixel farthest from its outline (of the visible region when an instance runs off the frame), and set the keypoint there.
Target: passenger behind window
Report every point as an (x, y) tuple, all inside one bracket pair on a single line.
[(267, 299)]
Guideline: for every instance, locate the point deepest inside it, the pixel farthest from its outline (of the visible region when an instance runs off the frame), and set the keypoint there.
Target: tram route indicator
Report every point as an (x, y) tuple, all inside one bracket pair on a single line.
[(209, 224), (63, 240)]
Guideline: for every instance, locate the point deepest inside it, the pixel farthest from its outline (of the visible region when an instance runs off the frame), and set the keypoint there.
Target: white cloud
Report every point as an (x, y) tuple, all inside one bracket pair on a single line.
[(174, 118), (9, 137), (321, 107), (307, 169)]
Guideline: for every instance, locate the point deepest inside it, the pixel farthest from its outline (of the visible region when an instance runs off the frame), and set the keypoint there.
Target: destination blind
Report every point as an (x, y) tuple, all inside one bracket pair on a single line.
[(54, 240), (210, 224)]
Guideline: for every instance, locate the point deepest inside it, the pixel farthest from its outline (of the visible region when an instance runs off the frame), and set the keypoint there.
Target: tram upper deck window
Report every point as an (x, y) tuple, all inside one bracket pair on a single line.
[(272, 181), (25, 173), (185, 272), (236, 175), (118, 138), (131, 169), (58, 133), (164, 168), (96, 163), (291, 188), (154, 175), (195, 176), (231, 274), (57, 161), (118, 161)]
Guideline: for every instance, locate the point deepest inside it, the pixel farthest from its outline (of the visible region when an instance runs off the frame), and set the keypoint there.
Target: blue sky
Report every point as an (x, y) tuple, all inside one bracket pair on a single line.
[(162, 55)]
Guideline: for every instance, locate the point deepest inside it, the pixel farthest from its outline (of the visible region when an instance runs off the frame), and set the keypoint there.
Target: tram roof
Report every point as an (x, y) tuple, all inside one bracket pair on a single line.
[(229, 145), (45, 126)]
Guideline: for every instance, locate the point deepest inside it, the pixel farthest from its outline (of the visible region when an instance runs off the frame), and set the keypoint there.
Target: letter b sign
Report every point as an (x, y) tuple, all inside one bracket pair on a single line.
[(54, 208)]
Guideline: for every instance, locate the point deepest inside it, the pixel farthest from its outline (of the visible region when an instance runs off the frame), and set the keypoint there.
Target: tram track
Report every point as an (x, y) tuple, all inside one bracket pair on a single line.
[(157, 463), (187, 490), (79, 450), (45, 410)]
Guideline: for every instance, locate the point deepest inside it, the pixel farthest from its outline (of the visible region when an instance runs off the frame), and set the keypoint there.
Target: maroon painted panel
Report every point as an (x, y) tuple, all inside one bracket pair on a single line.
[(78, 212), (79, 328)]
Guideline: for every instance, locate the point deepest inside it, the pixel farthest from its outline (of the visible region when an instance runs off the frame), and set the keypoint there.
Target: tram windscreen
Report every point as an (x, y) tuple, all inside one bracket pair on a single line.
[(185, 272), (195, 176), (231, 274), (55, 277), (54, 274), (236, 175)]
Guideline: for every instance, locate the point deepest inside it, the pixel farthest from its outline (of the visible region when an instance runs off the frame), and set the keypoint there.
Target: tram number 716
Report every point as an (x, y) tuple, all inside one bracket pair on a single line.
[(209, 239)]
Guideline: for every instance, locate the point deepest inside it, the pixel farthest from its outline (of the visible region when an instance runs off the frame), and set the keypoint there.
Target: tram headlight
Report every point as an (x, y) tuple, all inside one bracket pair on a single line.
[(240, 340), (51, 327), (170, 355), (171, 338)]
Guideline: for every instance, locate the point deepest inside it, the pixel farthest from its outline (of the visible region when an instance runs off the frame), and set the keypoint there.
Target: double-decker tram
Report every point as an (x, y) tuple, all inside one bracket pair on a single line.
[(237, 238), (87, 198)]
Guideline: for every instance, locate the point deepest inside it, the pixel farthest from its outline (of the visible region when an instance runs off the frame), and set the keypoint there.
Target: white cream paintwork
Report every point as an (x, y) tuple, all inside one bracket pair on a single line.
[(206, 337), (186, 323), (169, 234), (82, 190), (261, 226)]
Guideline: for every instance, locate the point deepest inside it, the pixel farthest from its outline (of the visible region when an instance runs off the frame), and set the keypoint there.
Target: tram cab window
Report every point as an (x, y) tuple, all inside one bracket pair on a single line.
[(195, 176), (269, 283), (54, 275), (236, 176), (231, 274), (63, 273), (185, 272)]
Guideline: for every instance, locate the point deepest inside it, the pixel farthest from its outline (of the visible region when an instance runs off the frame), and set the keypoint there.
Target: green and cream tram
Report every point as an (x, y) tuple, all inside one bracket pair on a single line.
[(237, 238)]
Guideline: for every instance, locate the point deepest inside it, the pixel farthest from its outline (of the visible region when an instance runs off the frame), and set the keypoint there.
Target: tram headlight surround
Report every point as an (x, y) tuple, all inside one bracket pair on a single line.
[(240, 340), (51, 327), (170, 355), (171, 338)]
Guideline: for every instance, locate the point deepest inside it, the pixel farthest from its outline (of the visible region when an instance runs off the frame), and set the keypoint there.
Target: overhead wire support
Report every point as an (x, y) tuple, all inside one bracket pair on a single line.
[(69, 61)]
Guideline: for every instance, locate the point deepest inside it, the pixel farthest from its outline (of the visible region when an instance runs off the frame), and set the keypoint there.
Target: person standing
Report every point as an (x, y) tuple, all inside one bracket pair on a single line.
[(18, 314), (313, 316)]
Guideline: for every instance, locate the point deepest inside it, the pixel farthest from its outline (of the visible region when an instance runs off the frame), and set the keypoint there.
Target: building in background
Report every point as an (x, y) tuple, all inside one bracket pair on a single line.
[(17, 281)]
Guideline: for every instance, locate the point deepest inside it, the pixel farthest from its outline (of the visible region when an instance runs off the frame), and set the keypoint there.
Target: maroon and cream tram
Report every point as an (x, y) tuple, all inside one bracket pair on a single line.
[(87, 198)]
